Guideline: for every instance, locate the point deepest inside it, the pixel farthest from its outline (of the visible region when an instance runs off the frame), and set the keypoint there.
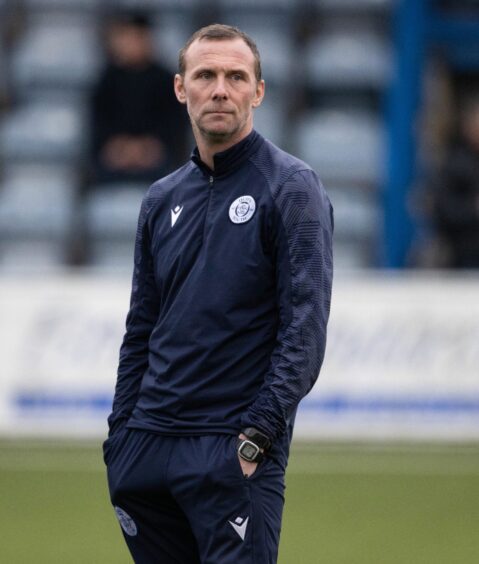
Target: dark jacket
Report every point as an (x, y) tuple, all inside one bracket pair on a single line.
[(138, 102), (231, 296), (456, 205)]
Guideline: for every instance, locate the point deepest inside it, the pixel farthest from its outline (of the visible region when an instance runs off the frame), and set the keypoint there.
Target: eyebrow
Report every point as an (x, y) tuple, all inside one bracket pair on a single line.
[(214, 70)]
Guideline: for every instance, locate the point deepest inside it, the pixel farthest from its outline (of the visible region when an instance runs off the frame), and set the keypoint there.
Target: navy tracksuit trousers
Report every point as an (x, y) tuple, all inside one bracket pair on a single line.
[(184, 500)]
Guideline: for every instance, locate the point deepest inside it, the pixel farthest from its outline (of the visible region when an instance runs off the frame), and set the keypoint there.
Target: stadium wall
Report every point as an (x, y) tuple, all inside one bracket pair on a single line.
[(402, 360)]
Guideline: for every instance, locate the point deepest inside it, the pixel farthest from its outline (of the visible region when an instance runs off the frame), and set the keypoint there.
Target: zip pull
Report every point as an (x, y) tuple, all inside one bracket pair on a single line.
[(211, 180)]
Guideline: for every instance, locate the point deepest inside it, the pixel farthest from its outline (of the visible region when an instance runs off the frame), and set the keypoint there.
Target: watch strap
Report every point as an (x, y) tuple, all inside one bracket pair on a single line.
[(257, 437)]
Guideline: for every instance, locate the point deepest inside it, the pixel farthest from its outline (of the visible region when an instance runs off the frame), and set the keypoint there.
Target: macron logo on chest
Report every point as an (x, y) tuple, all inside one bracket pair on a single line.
[(175, 214)]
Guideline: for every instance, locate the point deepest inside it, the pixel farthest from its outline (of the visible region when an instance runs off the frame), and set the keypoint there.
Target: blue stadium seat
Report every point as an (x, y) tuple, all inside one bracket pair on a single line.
[(112, 256), (111, 216), (343, 146), (272, 34), (20, 256), (270, 117), (348, 56), (353, 255), (112, 210), (37, 202), (357, 226), (58, 52), (356, 213), (42, 131), (171, 32)]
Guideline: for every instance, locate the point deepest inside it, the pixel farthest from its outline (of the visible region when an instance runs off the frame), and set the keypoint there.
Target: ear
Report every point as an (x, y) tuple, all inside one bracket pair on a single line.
[(259, 95), (180, 89)]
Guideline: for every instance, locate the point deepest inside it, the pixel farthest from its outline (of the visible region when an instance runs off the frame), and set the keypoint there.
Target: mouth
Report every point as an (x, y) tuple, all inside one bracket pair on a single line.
[(221, 112)]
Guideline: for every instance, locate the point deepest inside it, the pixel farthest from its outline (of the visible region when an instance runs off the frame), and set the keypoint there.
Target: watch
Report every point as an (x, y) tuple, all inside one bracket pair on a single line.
[(250, 449)]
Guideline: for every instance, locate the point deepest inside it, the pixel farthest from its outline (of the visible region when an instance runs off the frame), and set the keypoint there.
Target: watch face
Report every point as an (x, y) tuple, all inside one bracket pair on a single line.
[(248, 450)]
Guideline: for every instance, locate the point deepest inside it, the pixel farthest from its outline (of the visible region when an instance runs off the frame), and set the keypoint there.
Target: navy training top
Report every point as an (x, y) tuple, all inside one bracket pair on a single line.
[(230, 296)]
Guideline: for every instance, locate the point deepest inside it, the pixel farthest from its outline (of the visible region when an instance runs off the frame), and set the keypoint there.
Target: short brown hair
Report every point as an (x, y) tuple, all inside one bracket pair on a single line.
[(220, 32)]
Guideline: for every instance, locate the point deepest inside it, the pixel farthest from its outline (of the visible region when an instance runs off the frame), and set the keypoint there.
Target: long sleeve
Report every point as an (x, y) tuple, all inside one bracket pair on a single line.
[(140, 321), (302, 228)]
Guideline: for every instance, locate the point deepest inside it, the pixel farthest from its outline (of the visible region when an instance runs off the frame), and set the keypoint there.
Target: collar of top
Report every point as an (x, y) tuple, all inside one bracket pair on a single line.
[(229, 160)]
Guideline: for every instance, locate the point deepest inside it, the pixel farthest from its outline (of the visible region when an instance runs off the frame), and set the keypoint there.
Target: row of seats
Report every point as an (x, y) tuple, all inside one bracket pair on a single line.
[(43, 130), (56, 53), (65, 53), (345, 146), (39, 204)]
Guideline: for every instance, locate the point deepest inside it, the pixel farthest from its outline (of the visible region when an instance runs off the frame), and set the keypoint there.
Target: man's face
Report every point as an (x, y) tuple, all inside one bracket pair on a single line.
[(220, 89)]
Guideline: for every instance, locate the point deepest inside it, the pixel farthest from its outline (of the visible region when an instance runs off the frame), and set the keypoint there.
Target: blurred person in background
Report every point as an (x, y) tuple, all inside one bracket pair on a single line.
[(455, 193), (138, 127)]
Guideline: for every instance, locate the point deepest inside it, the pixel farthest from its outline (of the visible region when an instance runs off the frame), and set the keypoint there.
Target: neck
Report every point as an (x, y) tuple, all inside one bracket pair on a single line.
[(208, 148)]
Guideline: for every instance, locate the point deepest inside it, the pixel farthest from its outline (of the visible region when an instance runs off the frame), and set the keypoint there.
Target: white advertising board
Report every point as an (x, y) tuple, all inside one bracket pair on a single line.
[(402, 359), (59, 343)]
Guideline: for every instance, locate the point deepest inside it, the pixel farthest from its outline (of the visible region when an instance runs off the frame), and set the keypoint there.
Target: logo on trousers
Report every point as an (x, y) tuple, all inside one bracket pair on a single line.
[(239, 525), (126, 522)]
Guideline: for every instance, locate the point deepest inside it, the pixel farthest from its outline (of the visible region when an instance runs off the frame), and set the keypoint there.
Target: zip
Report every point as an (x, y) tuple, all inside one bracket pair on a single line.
[(210, 187)]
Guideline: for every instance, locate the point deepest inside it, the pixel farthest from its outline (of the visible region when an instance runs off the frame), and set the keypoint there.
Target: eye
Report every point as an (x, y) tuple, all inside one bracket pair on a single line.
[(205, 75), (237, 77)]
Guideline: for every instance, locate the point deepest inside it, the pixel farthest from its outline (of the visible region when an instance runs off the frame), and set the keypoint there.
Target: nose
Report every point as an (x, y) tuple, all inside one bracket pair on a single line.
[(220, 92)]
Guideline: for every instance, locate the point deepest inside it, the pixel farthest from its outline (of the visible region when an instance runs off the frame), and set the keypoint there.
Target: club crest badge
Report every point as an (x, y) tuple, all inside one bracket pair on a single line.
[(126, 522), (242, 209)]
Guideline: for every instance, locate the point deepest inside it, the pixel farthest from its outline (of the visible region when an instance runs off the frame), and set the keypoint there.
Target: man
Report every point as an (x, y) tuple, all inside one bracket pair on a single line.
[(226, 330), (137, 126)]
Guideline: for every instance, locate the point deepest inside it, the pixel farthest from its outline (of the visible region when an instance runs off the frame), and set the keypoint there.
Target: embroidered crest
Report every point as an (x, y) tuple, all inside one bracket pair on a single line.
[(242, 209)]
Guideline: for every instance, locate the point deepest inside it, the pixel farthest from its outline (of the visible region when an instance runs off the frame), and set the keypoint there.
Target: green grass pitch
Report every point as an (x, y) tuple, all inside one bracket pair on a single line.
[(345, 504)]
